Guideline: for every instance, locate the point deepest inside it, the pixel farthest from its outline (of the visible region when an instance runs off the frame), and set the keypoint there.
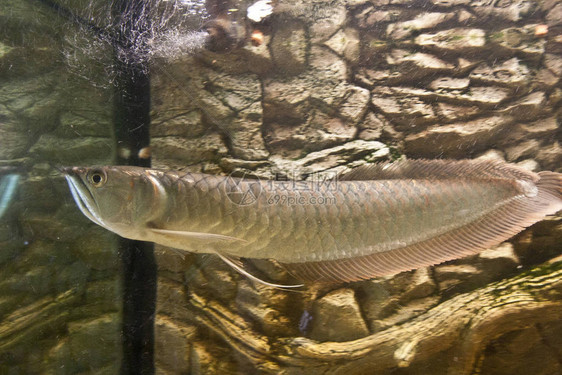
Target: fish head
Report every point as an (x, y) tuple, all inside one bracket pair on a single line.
[(120, 199)]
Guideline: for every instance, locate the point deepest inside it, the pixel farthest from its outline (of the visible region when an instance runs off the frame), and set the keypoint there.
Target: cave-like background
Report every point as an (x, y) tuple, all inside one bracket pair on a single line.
[(323, 86)]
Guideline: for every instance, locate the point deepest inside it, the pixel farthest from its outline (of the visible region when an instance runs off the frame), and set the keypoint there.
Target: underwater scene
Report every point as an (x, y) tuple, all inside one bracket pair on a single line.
[(281, 187)]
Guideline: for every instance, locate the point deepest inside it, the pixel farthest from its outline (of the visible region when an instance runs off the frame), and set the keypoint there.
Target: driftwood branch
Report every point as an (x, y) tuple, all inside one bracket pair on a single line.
[(461, 327)]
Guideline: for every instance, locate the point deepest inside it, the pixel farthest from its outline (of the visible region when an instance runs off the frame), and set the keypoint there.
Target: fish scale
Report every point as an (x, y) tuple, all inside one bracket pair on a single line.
[(376, 220)]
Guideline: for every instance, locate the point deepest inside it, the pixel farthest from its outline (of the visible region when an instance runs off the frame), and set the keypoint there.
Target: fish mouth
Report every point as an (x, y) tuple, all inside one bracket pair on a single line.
[(82, 195)]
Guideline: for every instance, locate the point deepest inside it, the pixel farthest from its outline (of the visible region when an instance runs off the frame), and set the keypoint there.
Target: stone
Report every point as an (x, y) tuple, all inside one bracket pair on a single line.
[(509, 73), (543, 128), (320, 131), (209, 357), (211, 276), (245, 134), (188, 125), (264, 307), (336, 156), (508, 10), (354, 106), (92, 343), (499, 261), (323, 85), (458, 40), (520, 40), (522, 150), (105, 294), (289, 47), (346, 43), (466, 274), (464, 16), (449, 83), (80, 151), (456, 278), (428, 20), (372, 78), (172, 340), (451, 112), (545, 79), (74, 125), (529, 343), (99, 254), (406, 110), (372, 18), (417, 64), (421, 285), (14, 143), (449, 3), (177, 152), (327, 66), (372, 126), (392, 300), (487, 96), (285, 100), (325, 19), (528, 107), (553, 63), (337, 317), (539, 243), (231, 164), (549, 156), (554, 16), (456, 140)]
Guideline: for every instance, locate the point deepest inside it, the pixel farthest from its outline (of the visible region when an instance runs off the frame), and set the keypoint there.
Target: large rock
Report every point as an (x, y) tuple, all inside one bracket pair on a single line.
[(456, 140), (346, 43), (401, 30), (510, 73), (177, 152), (289, 47), (335, 158), (509, 10), (417, 64), (520, 40), (469, 273), (458, 40), (172, 344), (407, 110), (337, 317), (85, 150)]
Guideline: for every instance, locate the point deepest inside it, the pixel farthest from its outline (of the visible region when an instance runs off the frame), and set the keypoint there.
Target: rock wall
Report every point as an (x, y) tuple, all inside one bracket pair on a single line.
[(332, 86), (335, 85), (60, 296)]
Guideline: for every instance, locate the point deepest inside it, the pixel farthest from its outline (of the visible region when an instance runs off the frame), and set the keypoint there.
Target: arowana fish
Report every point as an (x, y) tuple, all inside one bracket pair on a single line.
[(376, 220)]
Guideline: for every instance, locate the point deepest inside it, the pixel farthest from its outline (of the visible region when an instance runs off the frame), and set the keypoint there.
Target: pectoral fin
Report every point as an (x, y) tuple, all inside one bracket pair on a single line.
[(237, 264), (183, 235)]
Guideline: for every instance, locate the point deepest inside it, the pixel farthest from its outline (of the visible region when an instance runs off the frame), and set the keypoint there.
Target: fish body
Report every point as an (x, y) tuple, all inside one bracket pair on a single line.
[(376, 220)]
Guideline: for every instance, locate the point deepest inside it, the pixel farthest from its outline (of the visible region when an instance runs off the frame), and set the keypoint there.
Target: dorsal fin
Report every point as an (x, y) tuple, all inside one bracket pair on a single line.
[(439, 169)]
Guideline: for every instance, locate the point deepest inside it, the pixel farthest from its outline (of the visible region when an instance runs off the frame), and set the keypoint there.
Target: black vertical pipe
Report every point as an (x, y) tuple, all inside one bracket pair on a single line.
[(131, 124)]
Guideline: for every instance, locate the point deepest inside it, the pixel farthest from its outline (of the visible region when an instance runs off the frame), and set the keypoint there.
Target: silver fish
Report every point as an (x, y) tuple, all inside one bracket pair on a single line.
[(376, 220)]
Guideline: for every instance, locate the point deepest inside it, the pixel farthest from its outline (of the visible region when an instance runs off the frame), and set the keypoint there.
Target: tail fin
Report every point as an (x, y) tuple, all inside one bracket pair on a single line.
[(550, 185)]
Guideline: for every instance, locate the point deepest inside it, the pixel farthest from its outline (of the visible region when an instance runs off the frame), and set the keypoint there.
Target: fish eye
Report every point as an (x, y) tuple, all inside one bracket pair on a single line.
[(97, 177)]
